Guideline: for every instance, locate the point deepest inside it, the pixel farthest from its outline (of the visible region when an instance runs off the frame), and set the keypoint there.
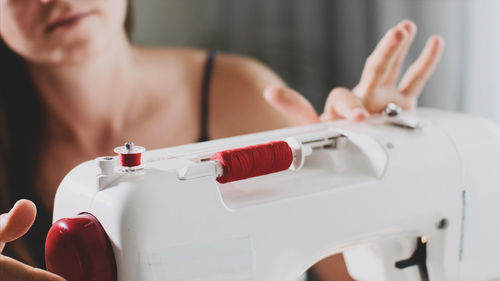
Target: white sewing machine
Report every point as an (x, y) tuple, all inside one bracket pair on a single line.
[(414, 202)]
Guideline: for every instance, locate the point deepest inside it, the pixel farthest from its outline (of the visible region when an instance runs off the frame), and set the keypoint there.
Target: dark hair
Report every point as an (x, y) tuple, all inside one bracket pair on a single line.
[(22, 121)]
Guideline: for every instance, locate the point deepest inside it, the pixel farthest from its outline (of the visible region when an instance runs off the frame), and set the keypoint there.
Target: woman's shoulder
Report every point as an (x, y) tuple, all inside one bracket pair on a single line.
[(186, 66), (239, 106), (192, 58), (169, 62), (236, 86)]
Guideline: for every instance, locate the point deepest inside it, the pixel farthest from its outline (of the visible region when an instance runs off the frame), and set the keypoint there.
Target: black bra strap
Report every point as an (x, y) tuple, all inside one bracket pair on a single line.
[(205, 93)]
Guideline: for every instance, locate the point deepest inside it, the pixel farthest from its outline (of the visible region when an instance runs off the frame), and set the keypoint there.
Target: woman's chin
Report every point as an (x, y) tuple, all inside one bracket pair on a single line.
[(70, 55), (75, 44), (75, 50)]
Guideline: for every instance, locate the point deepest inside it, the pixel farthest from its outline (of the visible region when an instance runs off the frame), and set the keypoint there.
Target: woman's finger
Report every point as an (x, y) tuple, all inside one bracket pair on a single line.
[(342, 103), (291, 104), (395, 69), (17, 222), (377, 65), (419, 72), (12, 270)]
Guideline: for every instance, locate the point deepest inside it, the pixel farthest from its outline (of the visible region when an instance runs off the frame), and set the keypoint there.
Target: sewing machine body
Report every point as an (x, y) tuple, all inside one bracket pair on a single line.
[(370, 194)]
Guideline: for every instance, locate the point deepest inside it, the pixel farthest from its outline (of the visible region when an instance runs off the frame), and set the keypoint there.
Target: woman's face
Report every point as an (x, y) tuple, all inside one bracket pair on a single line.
[(57, 31)]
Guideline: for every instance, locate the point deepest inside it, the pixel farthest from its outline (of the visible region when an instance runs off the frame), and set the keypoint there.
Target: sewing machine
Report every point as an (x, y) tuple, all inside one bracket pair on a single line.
[(405, 197)]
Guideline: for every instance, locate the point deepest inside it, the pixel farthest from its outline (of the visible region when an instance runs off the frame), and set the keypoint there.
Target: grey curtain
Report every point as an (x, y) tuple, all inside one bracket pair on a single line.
[(316, 45)]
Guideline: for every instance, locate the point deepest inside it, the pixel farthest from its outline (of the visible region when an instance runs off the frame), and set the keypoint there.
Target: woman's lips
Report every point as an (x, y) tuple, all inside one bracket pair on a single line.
[(66, 21)]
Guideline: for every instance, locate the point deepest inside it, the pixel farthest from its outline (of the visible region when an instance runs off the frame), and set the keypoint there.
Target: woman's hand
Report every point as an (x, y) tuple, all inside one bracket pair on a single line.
[(378, 85), (12, 226)]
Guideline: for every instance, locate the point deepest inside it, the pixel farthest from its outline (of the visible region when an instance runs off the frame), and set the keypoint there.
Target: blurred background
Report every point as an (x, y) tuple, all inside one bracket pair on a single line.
[(316, 45)]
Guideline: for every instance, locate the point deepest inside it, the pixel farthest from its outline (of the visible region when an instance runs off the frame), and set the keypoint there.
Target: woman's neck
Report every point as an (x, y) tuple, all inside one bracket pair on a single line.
[(91, 100)]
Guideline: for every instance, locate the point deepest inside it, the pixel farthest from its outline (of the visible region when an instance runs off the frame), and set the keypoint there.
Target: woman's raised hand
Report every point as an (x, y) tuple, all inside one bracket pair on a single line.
[(378, 85), (12, 226)]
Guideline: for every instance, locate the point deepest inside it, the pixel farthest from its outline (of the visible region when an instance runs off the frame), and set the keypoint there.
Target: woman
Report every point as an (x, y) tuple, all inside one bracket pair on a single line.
[(72, 87)]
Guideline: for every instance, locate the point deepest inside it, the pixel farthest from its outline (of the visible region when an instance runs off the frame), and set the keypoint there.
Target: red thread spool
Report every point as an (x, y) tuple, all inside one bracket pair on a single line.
[(253, 161), (130, 155), (130, 160)]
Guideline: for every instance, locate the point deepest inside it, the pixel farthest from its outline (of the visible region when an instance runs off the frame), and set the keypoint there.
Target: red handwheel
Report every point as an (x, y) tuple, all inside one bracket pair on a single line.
[(78, 249)]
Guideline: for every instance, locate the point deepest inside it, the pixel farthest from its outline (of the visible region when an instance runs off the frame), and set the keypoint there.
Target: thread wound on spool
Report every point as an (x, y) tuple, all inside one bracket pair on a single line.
[(253, 161), (130, 160), (130, 155)]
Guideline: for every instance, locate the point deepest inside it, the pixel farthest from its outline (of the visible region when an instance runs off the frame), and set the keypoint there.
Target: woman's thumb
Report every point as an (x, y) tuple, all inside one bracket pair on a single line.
[(18, 221)]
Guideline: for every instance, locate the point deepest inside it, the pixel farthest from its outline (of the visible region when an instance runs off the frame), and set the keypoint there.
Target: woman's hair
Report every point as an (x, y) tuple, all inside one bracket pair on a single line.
[(21, 128), (22, 121)]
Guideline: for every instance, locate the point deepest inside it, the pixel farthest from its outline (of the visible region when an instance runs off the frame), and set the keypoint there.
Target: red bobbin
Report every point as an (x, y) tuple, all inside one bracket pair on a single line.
[(130, 155)]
